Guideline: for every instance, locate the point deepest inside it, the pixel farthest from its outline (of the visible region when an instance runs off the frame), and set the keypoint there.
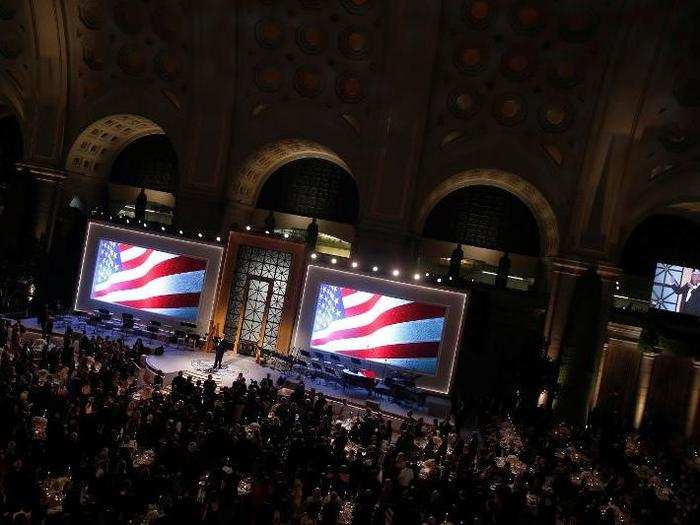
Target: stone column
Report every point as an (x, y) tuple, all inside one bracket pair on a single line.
[(47, 183), (236, 213), (582, 342), (599, 376), (609, 276), (645, 369), (694, 401), (618, 336), (561, 277), (385, 245)]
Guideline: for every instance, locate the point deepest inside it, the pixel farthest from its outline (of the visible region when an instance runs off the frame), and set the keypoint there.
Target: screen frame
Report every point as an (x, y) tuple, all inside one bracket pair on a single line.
[(454, 302), (683, 269), (96, 231)]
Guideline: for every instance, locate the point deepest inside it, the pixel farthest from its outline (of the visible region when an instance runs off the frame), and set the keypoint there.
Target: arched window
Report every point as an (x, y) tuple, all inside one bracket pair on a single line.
[(149, 162), (312, 188), (486, 217)]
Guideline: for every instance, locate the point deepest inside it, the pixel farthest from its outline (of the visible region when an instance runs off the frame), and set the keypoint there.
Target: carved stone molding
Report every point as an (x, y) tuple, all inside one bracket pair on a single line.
[(525, 191)]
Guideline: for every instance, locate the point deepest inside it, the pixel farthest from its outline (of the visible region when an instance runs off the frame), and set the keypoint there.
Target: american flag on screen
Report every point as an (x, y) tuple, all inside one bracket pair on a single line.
[(398, 332), (146, 279)]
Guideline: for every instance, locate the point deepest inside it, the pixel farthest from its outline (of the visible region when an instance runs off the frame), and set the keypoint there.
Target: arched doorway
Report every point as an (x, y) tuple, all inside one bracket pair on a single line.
[(298, 180), (490, 213), (114, 157), (150, 163)]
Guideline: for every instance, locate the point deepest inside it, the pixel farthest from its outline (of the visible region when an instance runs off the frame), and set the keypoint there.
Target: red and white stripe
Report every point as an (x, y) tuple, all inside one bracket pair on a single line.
[(379, 327), (155, 281)]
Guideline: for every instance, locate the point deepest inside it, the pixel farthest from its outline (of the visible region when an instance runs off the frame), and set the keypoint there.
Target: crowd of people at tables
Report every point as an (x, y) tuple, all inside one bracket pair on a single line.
[(83, 440)]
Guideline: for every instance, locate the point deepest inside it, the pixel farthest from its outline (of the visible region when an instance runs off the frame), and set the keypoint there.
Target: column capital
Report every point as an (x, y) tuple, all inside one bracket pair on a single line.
[(42, 172), (646, 354), (566, 266), (608, 272), (624, 332)]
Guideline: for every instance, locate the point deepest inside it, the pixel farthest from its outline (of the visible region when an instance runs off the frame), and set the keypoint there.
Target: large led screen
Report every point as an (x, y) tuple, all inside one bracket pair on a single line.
[(147, 279), (388, 325), (153, 277), (380, 328), (676, 289)]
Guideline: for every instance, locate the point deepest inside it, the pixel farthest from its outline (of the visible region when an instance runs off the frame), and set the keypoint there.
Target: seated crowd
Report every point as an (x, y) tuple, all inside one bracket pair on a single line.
[(82, 440)]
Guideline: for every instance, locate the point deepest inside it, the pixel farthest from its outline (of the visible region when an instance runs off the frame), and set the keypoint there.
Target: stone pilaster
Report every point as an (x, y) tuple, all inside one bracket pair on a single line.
[(643, 382), (580, 353), (694, 401), (47, 184), (385, 245), (560, 277)]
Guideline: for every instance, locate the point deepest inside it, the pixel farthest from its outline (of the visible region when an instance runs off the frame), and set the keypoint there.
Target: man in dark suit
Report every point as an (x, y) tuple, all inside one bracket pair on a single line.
[(219, 349), (689, 294)]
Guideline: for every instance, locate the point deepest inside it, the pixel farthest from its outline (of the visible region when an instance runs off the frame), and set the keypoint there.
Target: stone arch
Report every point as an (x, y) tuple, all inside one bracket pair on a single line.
[(12, 105), (678, 193), (525, 191), (244, 187), (94, 151), (249, 178)]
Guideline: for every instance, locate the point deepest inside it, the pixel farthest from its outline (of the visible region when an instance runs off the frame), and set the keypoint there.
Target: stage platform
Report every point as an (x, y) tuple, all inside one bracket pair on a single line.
[(199, 365)]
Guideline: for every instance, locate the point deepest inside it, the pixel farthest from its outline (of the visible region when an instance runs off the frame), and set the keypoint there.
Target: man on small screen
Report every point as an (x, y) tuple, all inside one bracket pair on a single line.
[(689, 294)]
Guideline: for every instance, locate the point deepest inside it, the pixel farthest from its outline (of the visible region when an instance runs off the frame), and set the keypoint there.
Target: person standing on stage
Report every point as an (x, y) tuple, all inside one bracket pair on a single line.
[(689, 294), (220, 350)]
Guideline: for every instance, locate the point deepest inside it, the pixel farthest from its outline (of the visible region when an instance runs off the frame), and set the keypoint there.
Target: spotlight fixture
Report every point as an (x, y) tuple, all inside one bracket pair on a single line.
[(375, 268), (127, 221), (313, 255), (181, 233), (110, 217), (162, 228), (354, 264), (267, 232), (427, 274), (199, 235), (247, 228), (218, 239), (395, 272), (145, 225), (334, 260), (416, 277), (439, 279), (286, 235)]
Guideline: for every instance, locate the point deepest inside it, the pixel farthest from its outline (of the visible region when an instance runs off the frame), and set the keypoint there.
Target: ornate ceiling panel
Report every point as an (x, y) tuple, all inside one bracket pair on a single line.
[(119, 41), (669, 138), (325, 52), (15, 44), (529, 69)]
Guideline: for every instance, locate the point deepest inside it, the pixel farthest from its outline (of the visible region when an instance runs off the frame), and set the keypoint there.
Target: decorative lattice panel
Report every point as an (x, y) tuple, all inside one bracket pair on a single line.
[(259, 265), (663, 294), (312, 188)]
